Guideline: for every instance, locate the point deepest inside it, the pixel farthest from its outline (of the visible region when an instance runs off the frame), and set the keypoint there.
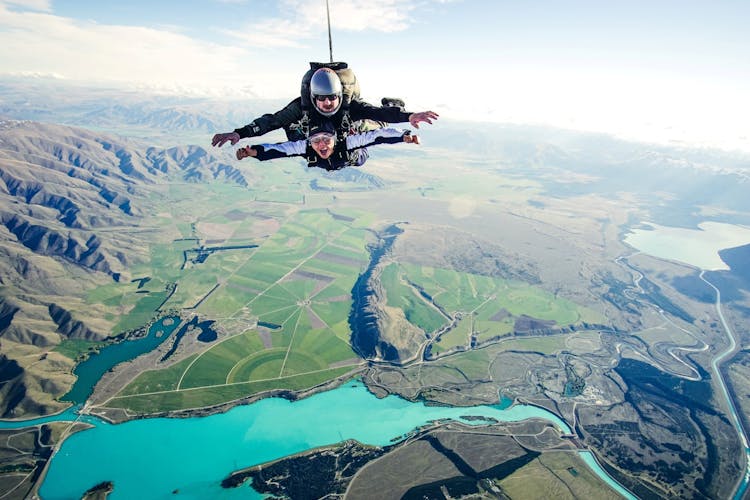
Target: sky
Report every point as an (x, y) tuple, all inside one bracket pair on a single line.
[(663, 71)]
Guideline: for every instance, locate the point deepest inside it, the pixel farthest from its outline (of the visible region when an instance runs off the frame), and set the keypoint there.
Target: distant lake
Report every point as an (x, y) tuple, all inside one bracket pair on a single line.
[(697, 247)]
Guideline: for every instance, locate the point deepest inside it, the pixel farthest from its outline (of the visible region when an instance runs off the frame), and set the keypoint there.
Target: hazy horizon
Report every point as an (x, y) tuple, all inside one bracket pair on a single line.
[(666, 73)]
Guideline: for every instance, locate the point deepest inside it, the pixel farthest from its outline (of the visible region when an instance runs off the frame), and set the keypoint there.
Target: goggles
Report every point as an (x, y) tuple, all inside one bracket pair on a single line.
[(322, 137), (330, 97)]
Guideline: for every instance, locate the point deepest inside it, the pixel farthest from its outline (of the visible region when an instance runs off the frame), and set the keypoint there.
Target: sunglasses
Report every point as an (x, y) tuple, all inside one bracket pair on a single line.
[(330, 97)]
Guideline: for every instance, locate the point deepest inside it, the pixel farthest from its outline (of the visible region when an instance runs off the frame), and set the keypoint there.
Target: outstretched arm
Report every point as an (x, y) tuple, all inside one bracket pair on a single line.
[(380, 136), (247, 151), (423, 116), (265, 152), (291, 113), (221, 139), (411, 139), (360, 110)]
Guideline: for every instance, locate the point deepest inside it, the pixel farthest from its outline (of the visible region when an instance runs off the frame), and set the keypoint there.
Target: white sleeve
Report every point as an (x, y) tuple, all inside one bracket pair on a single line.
[(372, 137), (295, 148)]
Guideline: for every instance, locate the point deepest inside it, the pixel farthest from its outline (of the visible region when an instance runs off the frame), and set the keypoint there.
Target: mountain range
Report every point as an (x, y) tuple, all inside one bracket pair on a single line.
[(66, 193)]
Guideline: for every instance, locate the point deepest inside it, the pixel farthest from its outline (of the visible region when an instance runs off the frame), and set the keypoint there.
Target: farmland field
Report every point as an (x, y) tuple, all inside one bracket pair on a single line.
[(299, 281)]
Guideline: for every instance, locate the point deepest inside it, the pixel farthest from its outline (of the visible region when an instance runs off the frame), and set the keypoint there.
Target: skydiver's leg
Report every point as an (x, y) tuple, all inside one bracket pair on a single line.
[(394, 102), (362, 126)]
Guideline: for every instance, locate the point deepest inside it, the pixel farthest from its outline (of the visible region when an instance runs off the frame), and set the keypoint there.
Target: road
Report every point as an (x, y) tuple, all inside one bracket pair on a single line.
[(715, 365)]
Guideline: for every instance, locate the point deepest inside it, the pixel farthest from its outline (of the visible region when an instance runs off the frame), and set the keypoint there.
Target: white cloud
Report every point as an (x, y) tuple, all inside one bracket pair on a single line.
[(35, 42), (359, 15), (37, 5), (305, 19), (272, 33), (39, 42)]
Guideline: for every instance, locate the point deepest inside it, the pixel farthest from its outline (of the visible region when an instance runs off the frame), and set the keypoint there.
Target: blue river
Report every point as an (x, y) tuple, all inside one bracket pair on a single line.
[(161, 457), (154, 458)]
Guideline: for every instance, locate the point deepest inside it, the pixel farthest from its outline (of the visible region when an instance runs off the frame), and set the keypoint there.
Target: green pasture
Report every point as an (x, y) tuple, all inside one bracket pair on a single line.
[(211, 396), (342, 330), (486, 330), (587, 315), (192, 288), (455, 337), (490, 306), (452, 290), (353, 213), (305, 353), (214, 365), (280, 196), (73, 348), (299, 287), (185, 229), (289, 327), (556, 474), (352, 240), (332, 312), (248, 285), (244, 233), (143, 312), (400, 295), (224, 302), (264, 270), (549, 344), (471, 364), (109, 294), (323, 345), (284, 171), (340, 287), (329, 268), (272, 299), (445, 375), (258, 366), (166, 379), (242, 274), (345, 260), (167, 259), (227, 261), (283, 315)]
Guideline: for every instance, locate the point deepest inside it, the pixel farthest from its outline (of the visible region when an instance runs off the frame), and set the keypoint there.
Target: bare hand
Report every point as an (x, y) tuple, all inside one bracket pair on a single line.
[(411, 139), (424, 116), (220, 139), (245, 152)]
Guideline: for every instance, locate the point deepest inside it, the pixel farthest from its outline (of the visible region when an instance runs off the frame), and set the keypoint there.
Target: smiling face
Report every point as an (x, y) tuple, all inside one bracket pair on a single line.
[(323, 144), (327, 104)]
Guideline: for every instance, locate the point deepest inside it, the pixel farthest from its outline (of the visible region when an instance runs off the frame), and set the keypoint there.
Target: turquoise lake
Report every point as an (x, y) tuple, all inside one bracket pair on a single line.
[(152, 458), (90, 371)]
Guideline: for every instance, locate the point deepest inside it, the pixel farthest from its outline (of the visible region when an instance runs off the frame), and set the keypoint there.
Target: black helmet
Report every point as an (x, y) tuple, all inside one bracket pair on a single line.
[(325, 82), (325, 127)]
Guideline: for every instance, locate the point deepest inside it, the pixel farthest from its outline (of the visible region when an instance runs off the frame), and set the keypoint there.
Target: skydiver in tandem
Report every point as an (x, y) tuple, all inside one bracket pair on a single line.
[(322, 149), (330, 91)]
